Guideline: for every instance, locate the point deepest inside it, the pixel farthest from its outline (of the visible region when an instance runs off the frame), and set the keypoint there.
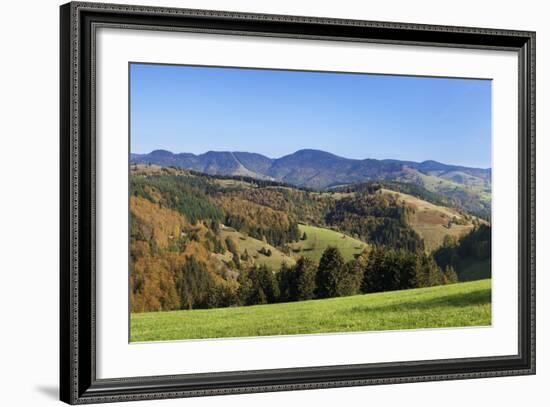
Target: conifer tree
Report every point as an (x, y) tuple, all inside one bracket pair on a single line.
[(429, 273), (450, 275), (350, 283), (305, 273), (330, 272), (407, 264)]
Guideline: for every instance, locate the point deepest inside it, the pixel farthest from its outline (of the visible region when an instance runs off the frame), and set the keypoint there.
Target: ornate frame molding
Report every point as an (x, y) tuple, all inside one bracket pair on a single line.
[(77, 176)]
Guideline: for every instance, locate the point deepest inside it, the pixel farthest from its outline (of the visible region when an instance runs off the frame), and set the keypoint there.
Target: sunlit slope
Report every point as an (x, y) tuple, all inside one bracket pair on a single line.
[(455, 305), (252, 248), (318, 239), (433, 222)]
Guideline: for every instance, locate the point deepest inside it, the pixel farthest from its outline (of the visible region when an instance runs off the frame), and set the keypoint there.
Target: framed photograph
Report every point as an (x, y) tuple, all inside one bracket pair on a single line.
[(254, 203)]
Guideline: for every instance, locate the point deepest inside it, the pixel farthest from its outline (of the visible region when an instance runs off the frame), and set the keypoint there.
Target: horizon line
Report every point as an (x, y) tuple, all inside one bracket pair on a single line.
[(314, 149)]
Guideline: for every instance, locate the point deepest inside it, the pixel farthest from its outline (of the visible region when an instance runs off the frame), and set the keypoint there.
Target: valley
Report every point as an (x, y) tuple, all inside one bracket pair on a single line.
[(211, 241)]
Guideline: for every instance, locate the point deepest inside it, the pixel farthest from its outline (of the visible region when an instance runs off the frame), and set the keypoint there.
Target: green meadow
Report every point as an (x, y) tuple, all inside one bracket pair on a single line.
[(318, 239), (454, 305)]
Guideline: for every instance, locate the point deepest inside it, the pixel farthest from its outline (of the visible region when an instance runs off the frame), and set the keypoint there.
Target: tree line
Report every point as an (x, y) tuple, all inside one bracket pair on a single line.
[(379, 270)]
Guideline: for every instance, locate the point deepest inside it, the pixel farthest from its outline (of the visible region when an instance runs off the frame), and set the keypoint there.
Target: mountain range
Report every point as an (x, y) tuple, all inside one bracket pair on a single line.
[(319, 169)]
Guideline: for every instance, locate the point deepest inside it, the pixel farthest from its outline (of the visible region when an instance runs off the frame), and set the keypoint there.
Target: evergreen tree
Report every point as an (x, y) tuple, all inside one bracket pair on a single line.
[(258, 297), (304, 273), (256, 285), (285, 281), (429, 273), (381, 273), (350, 283), (450, 275), (390, 271), (330, 272), (370, 280), (245, 290), (407, 264), (446, 254), (195, 285)]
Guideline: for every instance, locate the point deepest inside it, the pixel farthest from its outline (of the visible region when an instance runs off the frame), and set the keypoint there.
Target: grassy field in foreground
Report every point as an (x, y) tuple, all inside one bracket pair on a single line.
[(456, 305)]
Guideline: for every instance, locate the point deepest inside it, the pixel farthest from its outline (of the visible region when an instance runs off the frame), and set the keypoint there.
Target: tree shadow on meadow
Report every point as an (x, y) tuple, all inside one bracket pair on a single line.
[(478, 297)]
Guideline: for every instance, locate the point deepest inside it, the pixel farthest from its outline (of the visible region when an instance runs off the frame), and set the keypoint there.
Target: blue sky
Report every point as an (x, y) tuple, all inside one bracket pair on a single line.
[(197, 109)]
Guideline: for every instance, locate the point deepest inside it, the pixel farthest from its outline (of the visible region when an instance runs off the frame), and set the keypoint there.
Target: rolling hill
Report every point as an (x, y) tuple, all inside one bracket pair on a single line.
[(318, 239), (434, 222), (468, 188), (194, 237), (247, 245)]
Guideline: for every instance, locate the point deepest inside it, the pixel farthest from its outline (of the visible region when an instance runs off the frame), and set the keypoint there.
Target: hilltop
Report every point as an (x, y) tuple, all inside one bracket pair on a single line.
[(468, 188), (433, 222)]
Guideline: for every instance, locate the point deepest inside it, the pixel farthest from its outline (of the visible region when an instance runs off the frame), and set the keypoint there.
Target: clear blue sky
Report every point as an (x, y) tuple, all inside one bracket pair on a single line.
[(197, 109)]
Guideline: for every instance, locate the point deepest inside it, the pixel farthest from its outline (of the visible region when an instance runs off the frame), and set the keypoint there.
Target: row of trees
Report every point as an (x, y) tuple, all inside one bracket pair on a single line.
[(379, 270), (388, 270)]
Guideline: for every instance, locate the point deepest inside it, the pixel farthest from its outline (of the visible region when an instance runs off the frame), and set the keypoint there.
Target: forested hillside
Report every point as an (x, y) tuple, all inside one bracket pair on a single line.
[(207, 241), (466, 188)]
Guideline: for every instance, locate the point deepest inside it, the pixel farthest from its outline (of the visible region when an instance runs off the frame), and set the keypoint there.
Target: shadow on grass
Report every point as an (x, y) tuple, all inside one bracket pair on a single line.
[(479, 297)]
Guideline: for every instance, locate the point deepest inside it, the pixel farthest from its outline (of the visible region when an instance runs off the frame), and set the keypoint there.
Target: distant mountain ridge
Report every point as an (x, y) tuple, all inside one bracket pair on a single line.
[(466, 188), (308, 168)]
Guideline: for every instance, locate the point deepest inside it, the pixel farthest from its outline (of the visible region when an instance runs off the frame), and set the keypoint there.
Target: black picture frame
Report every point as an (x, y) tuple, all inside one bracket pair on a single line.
[(78, 382)]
